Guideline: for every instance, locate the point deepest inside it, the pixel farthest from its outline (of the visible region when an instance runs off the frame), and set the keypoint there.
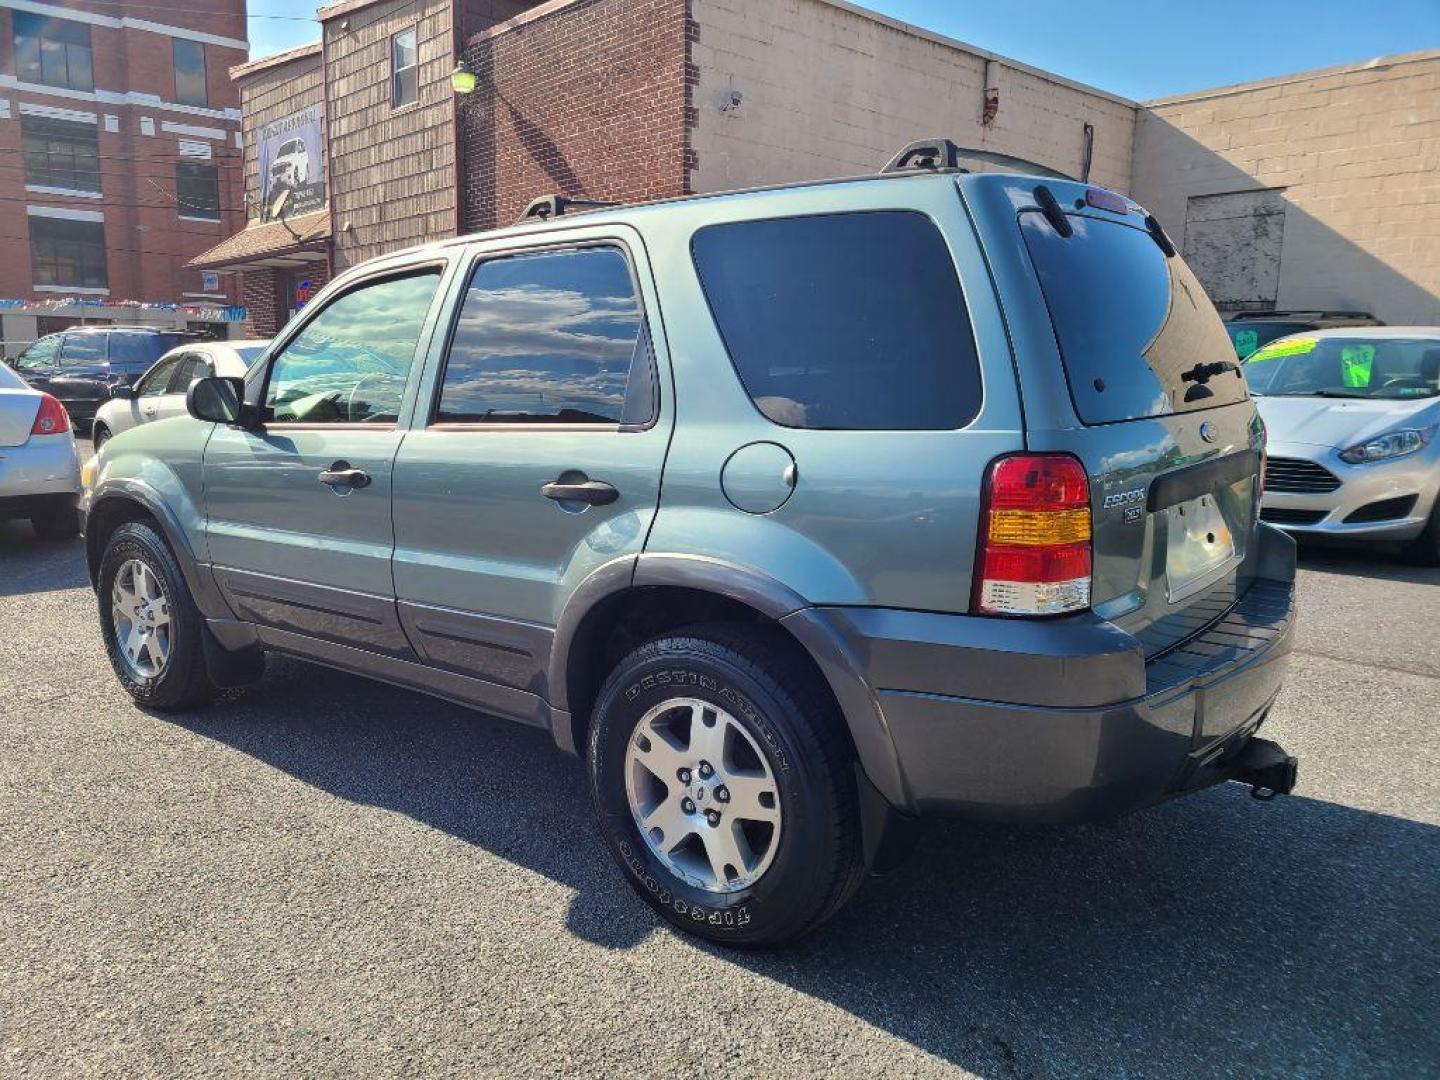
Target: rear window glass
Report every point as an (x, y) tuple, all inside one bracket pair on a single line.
[(1131, 324), (1249, 336), (843, 321)]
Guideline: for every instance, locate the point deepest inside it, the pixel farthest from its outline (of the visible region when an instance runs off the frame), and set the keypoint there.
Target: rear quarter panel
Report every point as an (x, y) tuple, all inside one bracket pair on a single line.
[(884, 518)]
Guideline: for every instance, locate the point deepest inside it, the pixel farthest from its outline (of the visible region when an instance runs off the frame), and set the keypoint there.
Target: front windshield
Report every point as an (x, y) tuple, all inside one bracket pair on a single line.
[(1347, 367)]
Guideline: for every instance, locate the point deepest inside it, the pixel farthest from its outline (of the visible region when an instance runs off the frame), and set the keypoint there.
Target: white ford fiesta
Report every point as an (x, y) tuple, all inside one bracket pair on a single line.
[(39, 465)]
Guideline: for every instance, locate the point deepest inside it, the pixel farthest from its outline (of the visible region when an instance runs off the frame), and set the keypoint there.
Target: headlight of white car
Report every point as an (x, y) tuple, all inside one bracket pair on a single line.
[(1390, 445)]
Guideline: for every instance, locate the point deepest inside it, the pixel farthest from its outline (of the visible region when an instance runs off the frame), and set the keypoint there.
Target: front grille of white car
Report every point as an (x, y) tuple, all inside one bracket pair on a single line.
[(1296, 476)]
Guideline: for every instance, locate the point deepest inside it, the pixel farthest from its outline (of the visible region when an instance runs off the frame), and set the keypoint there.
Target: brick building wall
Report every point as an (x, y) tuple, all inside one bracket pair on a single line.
[(585, 98), (827, 89), (265, 292), (1317, 190), (627, 100), (392, 170), (142, 132)]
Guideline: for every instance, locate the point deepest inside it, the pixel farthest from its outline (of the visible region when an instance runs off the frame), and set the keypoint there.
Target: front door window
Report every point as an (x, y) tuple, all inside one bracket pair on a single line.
[(349, 364)]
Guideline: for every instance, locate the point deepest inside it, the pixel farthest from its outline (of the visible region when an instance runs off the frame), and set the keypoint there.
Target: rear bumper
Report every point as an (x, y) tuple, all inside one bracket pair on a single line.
[(1064, 720), (45, 468)]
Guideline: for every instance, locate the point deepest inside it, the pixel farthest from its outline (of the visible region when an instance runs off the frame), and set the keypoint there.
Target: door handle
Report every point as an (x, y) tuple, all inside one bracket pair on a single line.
[(594, 492), (343, 475)]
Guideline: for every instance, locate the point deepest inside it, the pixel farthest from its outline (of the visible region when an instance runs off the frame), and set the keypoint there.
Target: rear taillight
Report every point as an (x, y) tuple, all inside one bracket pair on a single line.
[(1034, 552), (52, 419)]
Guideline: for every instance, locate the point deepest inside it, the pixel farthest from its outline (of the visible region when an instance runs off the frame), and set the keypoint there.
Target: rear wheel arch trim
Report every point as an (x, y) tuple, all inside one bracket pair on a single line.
[(790, 611)]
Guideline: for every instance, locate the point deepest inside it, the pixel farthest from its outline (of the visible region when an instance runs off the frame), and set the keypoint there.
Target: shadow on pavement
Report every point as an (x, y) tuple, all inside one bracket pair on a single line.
[(1373, 562), (31, 565), (1212, 936)]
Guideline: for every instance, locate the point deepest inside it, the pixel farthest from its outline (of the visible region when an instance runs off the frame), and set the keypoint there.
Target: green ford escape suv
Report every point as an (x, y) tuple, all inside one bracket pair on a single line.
[(799, 514)]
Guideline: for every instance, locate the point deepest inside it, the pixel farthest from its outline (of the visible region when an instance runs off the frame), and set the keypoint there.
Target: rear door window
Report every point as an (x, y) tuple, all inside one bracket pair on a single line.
[(550, 338), (139, 351), (844, 321), (1133, 326), (83, 350)]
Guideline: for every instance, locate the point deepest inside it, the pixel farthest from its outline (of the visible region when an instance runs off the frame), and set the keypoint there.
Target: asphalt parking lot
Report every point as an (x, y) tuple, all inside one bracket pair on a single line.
[(326, 877)]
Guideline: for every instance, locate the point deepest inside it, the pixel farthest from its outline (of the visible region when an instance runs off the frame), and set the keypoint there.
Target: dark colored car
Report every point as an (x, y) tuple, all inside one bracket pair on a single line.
[(82, 366), (1251, 330)]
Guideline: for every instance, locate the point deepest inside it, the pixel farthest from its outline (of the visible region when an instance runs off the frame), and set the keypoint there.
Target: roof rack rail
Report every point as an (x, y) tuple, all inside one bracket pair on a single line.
[(552, 206), (943, 155)]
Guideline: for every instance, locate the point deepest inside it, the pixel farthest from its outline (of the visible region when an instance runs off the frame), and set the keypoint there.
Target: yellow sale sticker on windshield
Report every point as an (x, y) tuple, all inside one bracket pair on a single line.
[(1274, 351), (1356, 363)]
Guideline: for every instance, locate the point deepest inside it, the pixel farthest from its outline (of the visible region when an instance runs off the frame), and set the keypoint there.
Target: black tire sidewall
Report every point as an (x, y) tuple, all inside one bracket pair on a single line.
[(784, 901), (137, 541)]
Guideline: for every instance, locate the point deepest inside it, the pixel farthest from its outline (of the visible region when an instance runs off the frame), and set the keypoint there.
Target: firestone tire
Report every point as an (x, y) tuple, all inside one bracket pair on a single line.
[(785, 713), (182, 682)]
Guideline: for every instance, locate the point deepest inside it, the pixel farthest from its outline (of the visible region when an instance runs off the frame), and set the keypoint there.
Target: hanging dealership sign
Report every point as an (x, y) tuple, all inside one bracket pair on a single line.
[(292, 165)]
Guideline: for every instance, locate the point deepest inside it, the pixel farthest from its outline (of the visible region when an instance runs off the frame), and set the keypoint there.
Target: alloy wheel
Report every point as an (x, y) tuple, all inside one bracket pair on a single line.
[(703, 795), (140, 614)]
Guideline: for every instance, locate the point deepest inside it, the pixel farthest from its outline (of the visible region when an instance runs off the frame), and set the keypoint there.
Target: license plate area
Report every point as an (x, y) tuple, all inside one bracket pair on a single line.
[(1204, 541)]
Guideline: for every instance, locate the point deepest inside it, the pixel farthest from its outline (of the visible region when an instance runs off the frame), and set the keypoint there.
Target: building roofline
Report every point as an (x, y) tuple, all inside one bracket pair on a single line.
[(341, 7), (1388, 61), (554, 6), (264, 63)]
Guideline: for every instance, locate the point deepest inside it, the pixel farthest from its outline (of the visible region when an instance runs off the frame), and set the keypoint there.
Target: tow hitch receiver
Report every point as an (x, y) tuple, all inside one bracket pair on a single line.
[(1266, 767)]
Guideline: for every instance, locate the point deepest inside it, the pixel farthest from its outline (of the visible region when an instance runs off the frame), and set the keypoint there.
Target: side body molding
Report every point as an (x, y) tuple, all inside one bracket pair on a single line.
[(764, 594)]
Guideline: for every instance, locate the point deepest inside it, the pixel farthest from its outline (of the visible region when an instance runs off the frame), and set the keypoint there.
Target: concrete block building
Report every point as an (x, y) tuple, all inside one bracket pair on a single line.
[(1317, 190), (628, 100), (119, 162)]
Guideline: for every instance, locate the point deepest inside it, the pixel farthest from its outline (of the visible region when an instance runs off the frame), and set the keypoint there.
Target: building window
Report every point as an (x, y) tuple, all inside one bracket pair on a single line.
[(68, 253), (405, 69), (190, 86), (197, 190), (55, 52), (60, 153)]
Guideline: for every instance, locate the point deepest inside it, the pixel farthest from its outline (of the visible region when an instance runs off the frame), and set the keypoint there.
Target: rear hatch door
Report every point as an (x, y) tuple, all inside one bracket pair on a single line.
[(1139, 380)]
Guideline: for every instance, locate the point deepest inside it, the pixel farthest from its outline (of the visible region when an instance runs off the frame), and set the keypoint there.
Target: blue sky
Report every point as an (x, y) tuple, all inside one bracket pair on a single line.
[(1139, 49)]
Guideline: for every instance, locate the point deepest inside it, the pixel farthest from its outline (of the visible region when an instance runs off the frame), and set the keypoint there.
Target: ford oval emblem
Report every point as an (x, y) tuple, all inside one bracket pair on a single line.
[(1208, 432)]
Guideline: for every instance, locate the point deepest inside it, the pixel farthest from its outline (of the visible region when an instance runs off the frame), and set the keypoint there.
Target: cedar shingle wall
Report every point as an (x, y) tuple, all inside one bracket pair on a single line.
[(587, 100), (392, 177)]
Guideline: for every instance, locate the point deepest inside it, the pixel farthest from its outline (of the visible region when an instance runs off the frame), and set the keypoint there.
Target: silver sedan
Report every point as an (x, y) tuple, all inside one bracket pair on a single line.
[(39, 465), (160, 392), (1352, 417)]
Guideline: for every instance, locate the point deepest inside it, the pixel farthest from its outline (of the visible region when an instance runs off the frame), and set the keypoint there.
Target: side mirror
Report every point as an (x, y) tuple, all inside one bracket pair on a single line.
[(217, 400), (122, 393)]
